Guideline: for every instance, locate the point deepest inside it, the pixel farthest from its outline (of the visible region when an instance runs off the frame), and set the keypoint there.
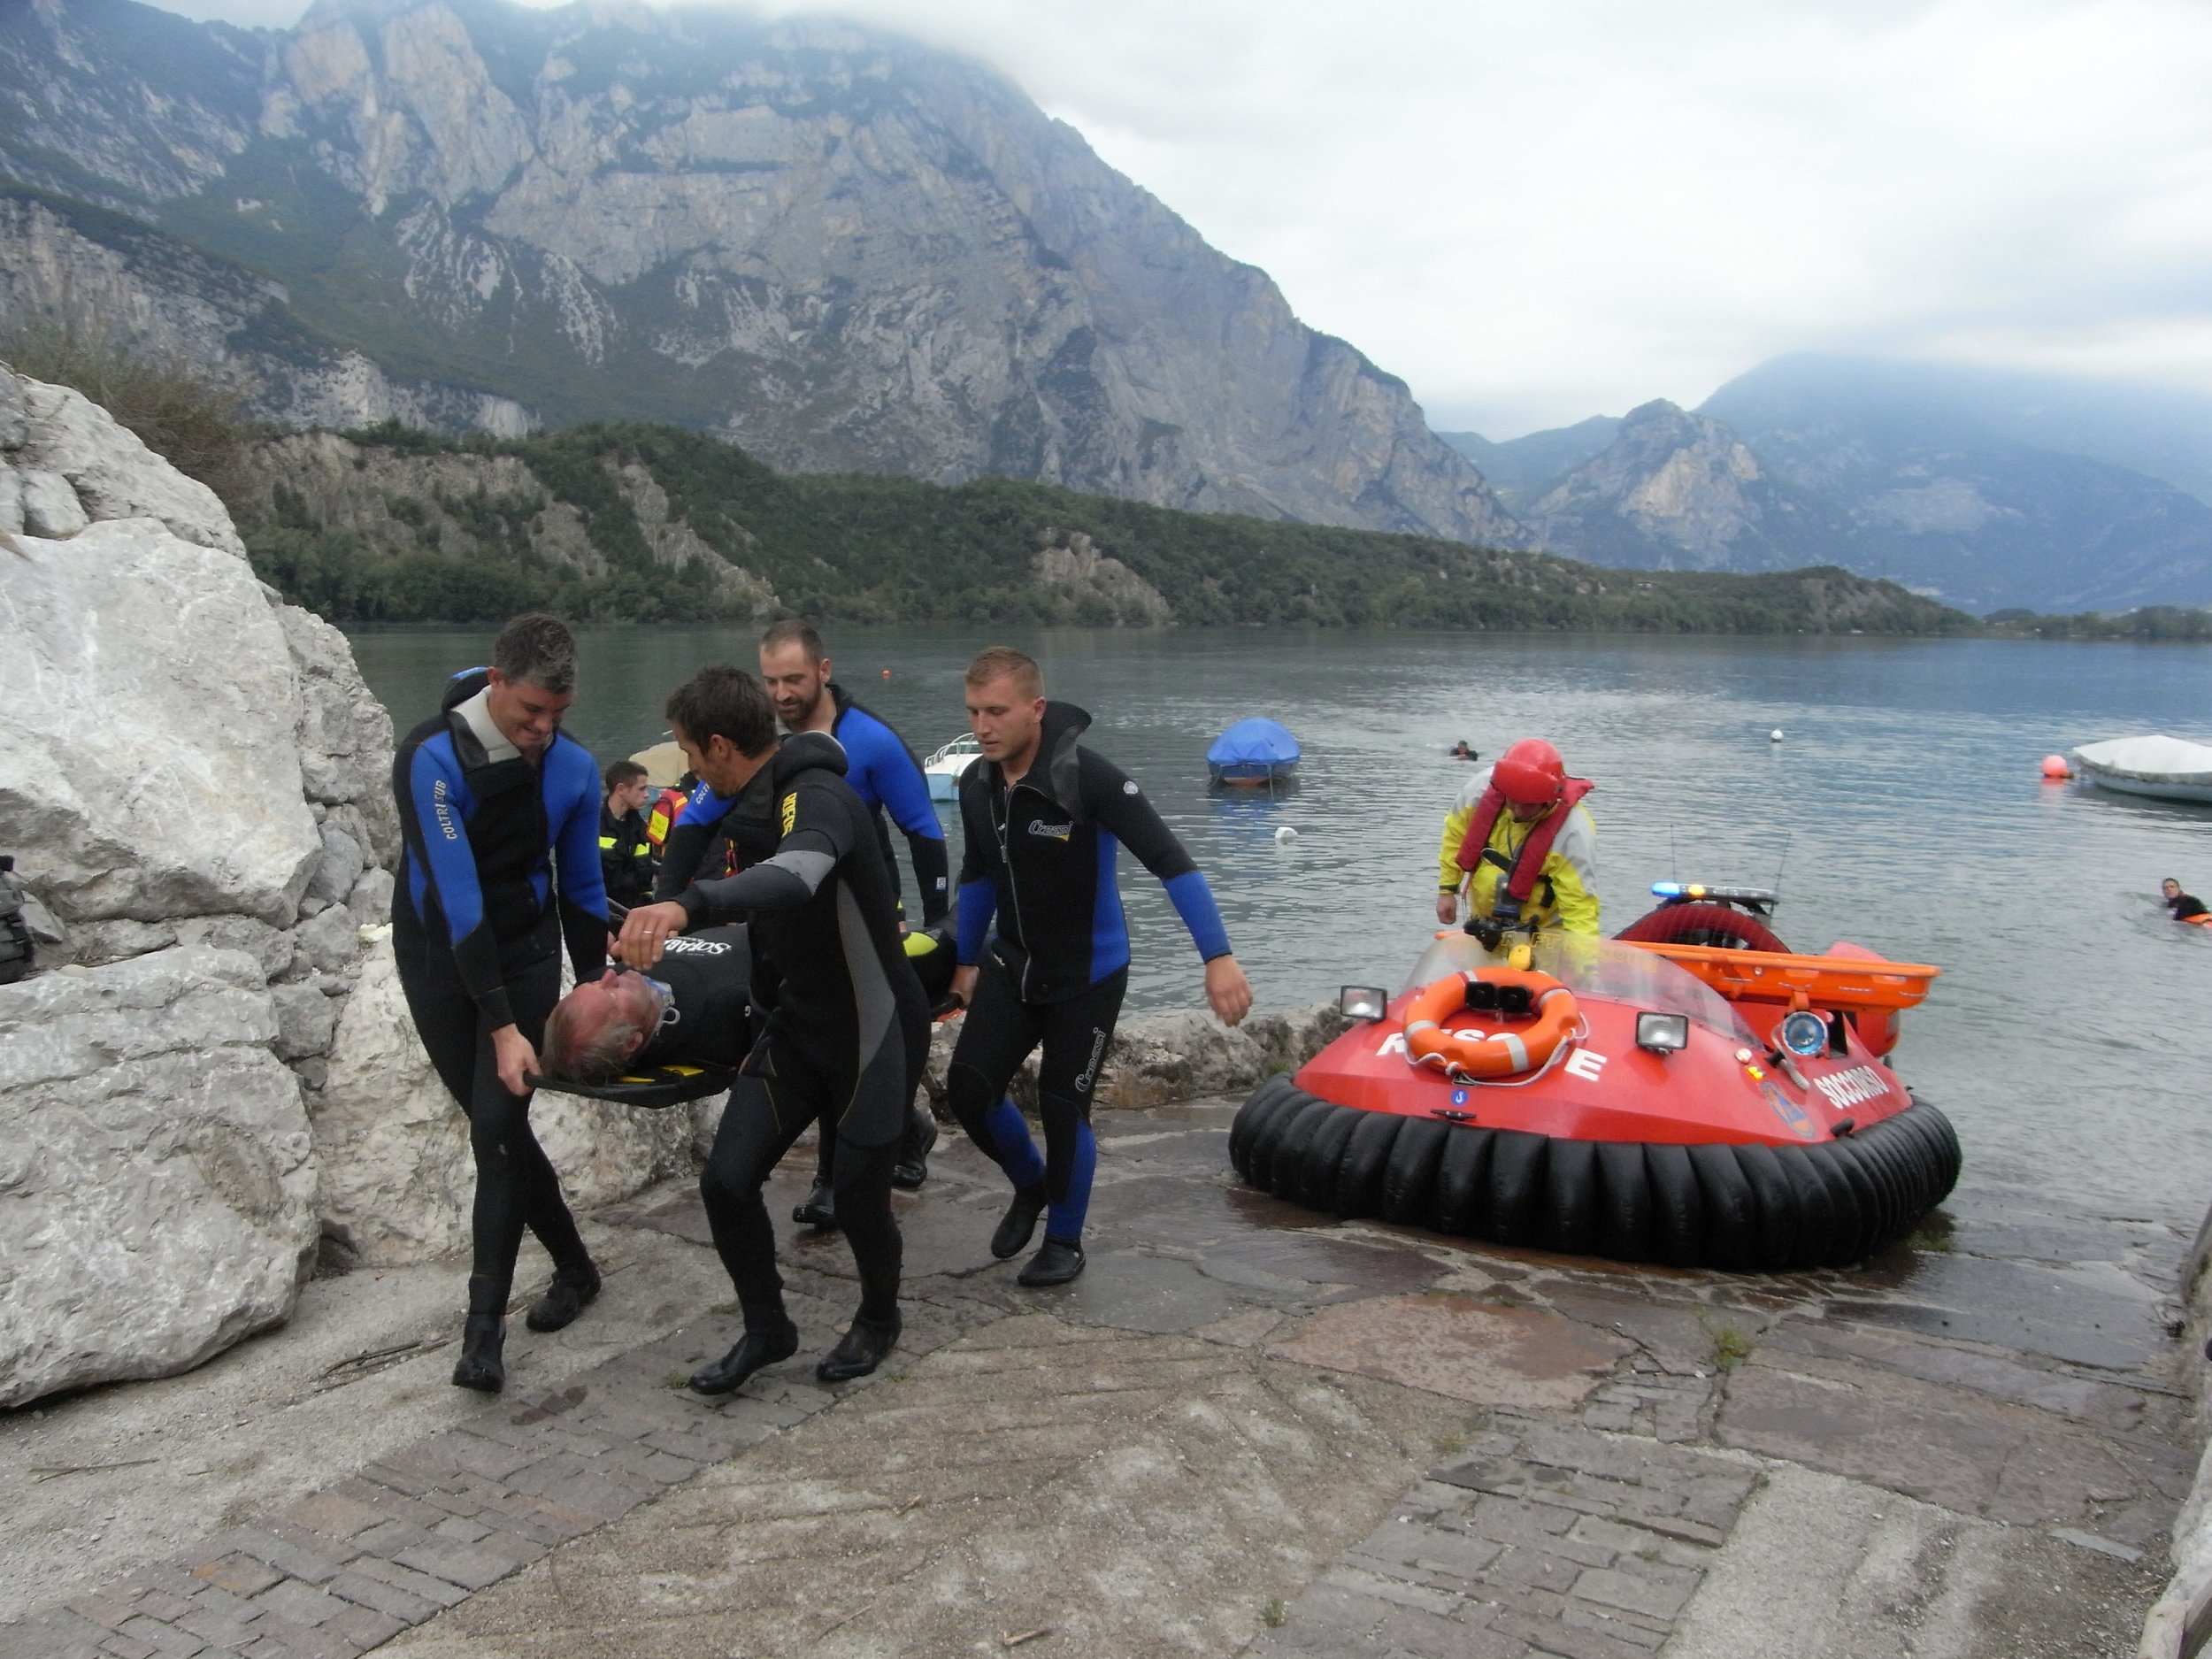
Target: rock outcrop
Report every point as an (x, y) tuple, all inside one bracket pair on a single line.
[(195, 784), (1102, 591), (155, 1164), (840, 248), (466, 506), (1158, 1058)]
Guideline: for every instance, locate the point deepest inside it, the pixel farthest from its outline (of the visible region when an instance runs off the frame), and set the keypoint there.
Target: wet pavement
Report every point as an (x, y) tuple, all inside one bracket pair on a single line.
[(1250, 1428)]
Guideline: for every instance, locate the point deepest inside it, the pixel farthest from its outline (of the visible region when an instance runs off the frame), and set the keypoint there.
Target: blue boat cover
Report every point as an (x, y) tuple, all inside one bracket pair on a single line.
[(1256, 741)]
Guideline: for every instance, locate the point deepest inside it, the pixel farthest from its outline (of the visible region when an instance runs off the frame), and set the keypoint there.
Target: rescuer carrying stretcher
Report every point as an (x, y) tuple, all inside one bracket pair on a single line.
[(1521, 846)]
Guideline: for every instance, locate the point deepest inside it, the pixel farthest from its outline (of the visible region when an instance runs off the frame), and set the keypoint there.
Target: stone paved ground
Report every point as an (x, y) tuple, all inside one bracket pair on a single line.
[(1249, 1430)]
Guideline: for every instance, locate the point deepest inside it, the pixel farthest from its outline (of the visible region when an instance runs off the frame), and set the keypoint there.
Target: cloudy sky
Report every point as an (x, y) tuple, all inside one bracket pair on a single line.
[(1540, 210)]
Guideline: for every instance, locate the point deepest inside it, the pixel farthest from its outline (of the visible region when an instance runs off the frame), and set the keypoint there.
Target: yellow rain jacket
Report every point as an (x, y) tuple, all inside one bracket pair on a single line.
[(1566, 895)]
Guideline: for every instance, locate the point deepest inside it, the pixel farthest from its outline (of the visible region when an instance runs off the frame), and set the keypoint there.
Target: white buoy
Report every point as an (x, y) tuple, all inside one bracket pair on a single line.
[(1775, 736), (1286, 833)]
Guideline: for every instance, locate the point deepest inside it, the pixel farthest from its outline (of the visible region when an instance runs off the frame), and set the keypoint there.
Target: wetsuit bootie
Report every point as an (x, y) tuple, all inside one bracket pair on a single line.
[(819, 1209), (912, 1168), (860, 1350), (572, 1290), (1060, 1261), (482, 1365), (1019, 1222), (754, 1350)]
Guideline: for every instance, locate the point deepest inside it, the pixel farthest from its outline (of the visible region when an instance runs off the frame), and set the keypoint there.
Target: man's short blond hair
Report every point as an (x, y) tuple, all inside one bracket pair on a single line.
[(1004, 662)]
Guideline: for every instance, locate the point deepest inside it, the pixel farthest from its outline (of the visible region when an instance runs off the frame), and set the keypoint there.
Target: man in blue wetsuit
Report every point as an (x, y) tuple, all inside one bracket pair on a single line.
[(884, 773), (1042, 815), (501, 816)]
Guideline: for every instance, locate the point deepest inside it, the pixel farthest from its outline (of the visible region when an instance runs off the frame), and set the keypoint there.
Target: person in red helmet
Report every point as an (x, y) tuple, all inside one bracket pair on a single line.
[(1520, 847)]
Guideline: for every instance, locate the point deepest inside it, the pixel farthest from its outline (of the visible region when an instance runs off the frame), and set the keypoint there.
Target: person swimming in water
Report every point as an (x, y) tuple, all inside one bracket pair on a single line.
[(2183, 907)]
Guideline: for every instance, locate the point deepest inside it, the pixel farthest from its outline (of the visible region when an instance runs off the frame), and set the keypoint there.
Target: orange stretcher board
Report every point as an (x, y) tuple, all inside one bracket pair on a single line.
[(1849, 984)]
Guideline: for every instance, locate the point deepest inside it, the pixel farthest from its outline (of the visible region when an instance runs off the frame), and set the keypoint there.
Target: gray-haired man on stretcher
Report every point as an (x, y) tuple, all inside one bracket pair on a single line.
[(692, 1010)]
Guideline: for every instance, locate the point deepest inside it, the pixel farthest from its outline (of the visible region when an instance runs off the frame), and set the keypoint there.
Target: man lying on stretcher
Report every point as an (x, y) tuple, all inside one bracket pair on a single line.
[(694, 1009)]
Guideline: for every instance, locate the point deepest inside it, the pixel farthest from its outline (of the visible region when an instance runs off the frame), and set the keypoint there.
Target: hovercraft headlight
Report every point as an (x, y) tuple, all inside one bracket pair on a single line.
[(1663, 1034), (1362, 1002)]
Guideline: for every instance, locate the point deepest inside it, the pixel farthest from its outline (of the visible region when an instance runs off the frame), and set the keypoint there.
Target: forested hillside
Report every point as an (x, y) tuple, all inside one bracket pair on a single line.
[(660, 524)]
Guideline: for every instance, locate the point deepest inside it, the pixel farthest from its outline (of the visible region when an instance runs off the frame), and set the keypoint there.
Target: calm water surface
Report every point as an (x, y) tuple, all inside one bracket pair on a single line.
[(2069, 1038)]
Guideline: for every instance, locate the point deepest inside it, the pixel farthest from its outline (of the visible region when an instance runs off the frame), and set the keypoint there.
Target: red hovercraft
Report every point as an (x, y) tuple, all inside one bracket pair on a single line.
[(1691, 1093)]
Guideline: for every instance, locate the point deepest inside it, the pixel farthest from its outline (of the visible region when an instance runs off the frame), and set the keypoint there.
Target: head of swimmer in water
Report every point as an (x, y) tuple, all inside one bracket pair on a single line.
[(2170, 888), (797, 675), (722, 719), (533, 681), (592, 1031), (1006, 706)]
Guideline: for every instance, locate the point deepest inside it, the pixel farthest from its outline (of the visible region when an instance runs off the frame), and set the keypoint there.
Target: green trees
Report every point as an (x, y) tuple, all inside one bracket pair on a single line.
[(876, 548)]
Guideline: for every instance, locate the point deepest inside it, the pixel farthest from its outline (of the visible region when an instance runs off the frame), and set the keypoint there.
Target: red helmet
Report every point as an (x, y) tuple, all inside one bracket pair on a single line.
[(1530, 773)]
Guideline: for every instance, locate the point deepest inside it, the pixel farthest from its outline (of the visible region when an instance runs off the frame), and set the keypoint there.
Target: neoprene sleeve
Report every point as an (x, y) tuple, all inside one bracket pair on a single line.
[(781, 883), (1194, 902), (979, 902), (931, 872)]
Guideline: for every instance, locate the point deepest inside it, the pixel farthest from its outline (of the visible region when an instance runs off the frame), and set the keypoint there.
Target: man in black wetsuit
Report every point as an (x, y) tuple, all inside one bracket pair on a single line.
[(500, 812), (884, 773), (1042, 817), (692, 1010), (2183, 907), (835, 1044)]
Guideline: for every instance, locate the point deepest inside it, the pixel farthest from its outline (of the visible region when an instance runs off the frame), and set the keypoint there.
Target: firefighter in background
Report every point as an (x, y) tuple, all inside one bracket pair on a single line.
[(667, 807), (1520, 847)]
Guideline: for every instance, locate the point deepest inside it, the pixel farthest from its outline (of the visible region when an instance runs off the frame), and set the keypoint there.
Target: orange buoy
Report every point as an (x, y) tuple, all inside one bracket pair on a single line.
[(2055, 769), (887, 673)]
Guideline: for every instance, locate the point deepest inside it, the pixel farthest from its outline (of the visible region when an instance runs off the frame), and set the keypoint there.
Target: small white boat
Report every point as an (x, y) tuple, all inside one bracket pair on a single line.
[(2170, 768), (943, 768)]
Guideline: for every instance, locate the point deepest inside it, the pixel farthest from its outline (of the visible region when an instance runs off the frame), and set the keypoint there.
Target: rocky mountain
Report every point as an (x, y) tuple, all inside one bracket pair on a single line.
[(1943, 495), (1678, 491), (2162, 431), (1521, 469), (840, 248), (1917, 472)]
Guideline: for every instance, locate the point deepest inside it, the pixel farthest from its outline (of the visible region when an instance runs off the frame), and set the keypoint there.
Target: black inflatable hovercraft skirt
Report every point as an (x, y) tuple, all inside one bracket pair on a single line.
[(1756, 1207)]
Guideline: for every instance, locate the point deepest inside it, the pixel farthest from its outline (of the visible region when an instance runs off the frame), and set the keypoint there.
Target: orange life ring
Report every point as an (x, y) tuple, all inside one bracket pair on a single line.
[(1506, 1052)]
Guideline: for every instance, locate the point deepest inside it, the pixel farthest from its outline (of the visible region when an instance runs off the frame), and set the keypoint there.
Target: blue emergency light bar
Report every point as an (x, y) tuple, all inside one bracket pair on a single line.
[(1698, 890)]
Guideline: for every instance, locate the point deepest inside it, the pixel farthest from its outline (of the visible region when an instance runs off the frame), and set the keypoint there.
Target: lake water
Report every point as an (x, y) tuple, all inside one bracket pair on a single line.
[(2070, 1039)]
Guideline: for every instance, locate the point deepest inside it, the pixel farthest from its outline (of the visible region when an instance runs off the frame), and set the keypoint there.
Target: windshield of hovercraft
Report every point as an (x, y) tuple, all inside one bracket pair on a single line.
[(1593, 967)]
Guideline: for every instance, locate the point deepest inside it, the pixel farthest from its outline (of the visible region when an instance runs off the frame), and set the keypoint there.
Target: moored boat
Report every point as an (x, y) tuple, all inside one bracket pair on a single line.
[(1696, 1104), (1253, 754), (2170, 768), (944, 767)]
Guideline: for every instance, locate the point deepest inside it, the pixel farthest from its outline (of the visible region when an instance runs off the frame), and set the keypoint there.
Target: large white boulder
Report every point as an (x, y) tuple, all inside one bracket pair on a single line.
[(157, 1193), (149, 762), (344, 736), (396, 1176), (111, 472)]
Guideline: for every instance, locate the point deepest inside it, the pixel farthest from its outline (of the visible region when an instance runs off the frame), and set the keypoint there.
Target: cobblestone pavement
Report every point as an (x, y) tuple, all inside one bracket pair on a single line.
[(1248, 1429)]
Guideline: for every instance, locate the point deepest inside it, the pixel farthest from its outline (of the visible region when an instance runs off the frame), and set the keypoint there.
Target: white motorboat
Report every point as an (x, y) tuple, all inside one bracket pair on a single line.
[(943, 768), (2170, 768)]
